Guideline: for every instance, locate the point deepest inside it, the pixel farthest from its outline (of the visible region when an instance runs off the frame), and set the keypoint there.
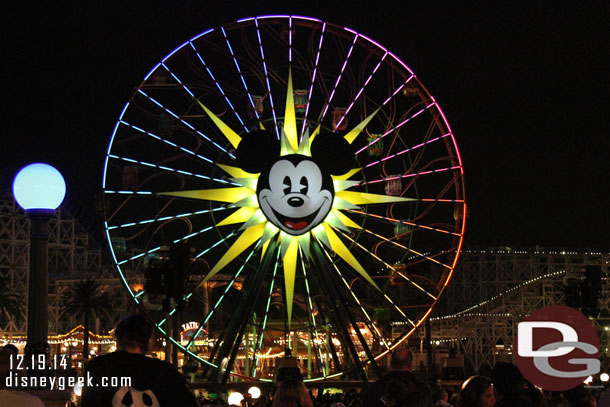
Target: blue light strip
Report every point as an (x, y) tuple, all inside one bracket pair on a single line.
[(118, 266), (137, 256), (164, 218), (129, 192), (214, 245), (186, 150), (207, 318), (161, 167), (260, 44), (260, 340), (218, 86), (313, 77), (185, 123), (332, 94), (239, 71), (361, 89)]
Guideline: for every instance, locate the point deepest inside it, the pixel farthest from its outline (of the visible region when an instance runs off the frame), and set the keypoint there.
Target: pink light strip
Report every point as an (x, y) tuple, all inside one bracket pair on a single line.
[(397, 126), (260, 44), (313, 77), (392, 220), (239, 71), (332, 94), (362, 89), (414, 174), (407, 150)]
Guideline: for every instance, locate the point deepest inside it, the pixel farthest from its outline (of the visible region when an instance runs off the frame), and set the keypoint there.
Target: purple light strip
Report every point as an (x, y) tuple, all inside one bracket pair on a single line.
[(218, 86), (397, 126), (407, 150), (362, 89), (414, 174), (260, 44), (332, 94), (290, 39), (313, 77), (184, 122), (239, 69), (186, 150)]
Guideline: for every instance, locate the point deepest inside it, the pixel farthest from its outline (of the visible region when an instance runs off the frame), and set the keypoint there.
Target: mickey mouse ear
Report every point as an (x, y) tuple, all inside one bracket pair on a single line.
[(257, 150), (332, 153)]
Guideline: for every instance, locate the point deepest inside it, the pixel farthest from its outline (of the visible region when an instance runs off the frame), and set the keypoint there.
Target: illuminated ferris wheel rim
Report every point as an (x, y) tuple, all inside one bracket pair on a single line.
[(255, 20)]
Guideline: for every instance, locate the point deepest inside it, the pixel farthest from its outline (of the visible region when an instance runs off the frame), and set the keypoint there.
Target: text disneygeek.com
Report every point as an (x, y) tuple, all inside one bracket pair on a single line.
[(62, 383)]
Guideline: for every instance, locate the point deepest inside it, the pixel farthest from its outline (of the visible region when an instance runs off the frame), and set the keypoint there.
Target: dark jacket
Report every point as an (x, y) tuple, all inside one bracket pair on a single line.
[(151, 379), (374, 393)]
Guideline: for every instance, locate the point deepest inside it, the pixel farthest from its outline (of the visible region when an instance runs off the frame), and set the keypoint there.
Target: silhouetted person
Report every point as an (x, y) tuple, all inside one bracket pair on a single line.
[(508, 383), (401, 364), (441, 399), (292, 393), (153, 382), (477, 391)]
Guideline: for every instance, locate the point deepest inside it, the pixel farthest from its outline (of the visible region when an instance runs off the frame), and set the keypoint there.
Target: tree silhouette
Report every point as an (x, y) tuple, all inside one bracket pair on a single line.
[(11, 302), (86, 300)]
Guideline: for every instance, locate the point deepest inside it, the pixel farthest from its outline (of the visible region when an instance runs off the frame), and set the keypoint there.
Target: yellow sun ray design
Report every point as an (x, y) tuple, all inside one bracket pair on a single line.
[(259, 230)]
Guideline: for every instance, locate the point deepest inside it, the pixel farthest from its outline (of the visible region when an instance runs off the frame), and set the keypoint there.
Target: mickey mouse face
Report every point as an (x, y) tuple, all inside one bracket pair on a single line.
[(294, 194)]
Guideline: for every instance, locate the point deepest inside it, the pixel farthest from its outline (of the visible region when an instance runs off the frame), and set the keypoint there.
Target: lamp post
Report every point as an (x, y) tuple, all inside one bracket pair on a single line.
[(39, 189)]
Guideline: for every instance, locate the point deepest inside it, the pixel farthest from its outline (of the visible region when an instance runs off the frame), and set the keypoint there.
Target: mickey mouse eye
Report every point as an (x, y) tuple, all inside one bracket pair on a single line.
[(304, 185), (287, 185)]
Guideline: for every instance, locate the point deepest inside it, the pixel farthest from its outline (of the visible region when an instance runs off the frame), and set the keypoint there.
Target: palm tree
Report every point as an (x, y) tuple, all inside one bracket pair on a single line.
[(86, 300), (11, 302)]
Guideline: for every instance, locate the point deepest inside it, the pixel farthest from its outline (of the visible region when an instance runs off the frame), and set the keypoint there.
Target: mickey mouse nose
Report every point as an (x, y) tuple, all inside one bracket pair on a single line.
[(295, 201)]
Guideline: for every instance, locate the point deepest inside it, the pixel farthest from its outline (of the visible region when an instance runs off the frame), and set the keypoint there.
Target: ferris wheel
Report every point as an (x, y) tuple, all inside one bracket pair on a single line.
[(314, 180)]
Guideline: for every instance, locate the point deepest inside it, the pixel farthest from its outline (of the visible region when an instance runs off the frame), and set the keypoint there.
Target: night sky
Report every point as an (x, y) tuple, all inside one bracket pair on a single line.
[(525, 88)]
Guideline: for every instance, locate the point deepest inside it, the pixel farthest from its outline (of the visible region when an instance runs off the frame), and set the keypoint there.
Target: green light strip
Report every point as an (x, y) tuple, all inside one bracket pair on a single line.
[(313, 317), (260, 341)]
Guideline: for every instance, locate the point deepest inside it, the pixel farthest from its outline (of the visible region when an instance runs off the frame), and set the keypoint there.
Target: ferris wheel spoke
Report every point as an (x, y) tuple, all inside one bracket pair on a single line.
[(398, 126), (313, 77), (402, 222), (169, 169), (388, 157), (207, 68), (206, 319), (380, 336), (260, 45), (332, 93), (353, 102), (259, 346), (158, 138), (164, 218), (311, 314), (112, 192), (216, 244), (243, 80), (415, 252), (187, 124), (388, 266)]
